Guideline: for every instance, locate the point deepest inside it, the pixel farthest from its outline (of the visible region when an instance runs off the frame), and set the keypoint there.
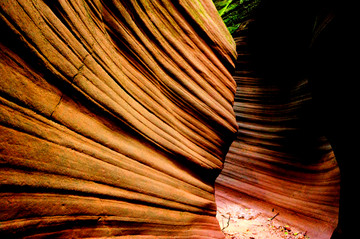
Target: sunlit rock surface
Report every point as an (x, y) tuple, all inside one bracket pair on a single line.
[(280, 156), (115, 117)]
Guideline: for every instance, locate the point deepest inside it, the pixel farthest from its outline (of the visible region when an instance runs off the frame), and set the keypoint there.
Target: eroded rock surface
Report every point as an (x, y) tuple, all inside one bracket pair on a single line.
[(280, 155), (115, 117)]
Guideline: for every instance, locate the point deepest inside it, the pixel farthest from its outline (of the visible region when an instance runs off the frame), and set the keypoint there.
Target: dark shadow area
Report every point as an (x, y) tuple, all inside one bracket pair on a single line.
[(289, 41)]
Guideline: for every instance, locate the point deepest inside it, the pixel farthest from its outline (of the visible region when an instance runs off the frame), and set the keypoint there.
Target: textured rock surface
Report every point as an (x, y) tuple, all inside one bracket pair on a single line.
[(280, 155), (115, 117)]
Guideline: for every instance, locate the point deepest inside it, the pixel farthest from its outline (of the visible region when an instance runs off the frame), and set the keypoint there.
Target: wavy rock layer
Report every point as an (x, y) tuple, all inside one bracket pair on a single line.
[(279, 155), (115, 117)]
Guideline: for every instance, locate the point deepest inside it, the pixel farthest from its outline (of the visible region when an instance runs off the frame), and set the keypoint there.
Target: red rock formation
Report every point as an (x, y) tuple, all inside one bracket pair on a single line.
[(115, 117), (280, 156)]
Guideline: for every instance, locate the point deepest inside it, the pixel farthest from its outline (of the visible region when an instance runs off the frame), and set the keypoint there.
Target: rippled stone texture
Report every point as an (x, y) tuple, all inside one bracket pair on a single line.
[(115, 117), (280, 155)]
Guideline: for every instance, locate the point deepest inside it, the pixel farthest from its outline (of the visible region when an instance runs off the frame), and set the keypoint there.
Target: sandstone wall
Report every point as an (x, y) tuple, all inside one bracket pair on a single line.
[(280, 156), (115, 117)]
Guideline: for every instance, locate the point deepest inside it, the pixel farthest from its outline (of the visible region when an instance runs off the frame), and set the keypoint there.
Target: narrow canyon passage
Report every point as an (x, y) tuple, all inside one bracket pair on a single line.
[(296, 96), (280, 159), (116, 118)]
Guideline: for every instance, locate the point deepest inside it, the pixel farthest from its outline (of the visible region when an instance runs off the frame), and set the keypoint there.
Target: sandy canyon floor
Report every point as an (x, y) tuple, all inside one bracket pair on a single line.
[(238, 222)]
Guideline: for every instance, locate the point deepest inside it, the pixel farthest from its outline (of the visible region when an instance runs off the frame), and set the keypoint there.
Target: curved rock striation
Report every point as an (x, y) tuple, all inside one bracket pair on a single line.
[(115, 117), (280, 155)]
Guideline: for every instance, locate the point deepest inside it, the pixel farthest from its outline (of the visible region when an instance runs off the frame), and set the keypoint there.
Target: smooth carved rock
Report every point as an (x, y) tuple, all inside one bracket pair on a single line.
[(115, 117), (280, 155)]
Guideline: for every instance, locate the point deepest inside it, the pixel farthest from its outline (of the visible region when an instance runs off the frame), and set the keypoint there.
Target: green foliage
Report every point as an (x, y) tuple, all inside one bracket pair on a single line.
[(235, 12)]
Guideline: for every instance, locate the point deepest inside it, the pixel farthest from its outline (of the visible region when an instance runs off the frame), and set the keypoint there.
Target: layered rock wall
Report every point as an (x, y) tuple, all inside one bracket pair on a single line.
[(280, 155), (115, 117)]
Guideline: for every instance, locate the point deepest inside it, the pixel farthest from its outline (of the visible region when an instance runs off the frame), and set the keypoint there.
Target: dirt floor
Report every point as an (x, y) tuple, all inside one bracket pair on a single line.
[(238, 222)]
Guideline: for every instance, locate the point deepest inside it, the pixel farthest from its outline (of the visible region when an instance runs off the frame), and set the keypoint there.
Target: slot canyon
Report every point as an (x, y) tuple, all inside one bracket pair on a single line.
[(153, 119)]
